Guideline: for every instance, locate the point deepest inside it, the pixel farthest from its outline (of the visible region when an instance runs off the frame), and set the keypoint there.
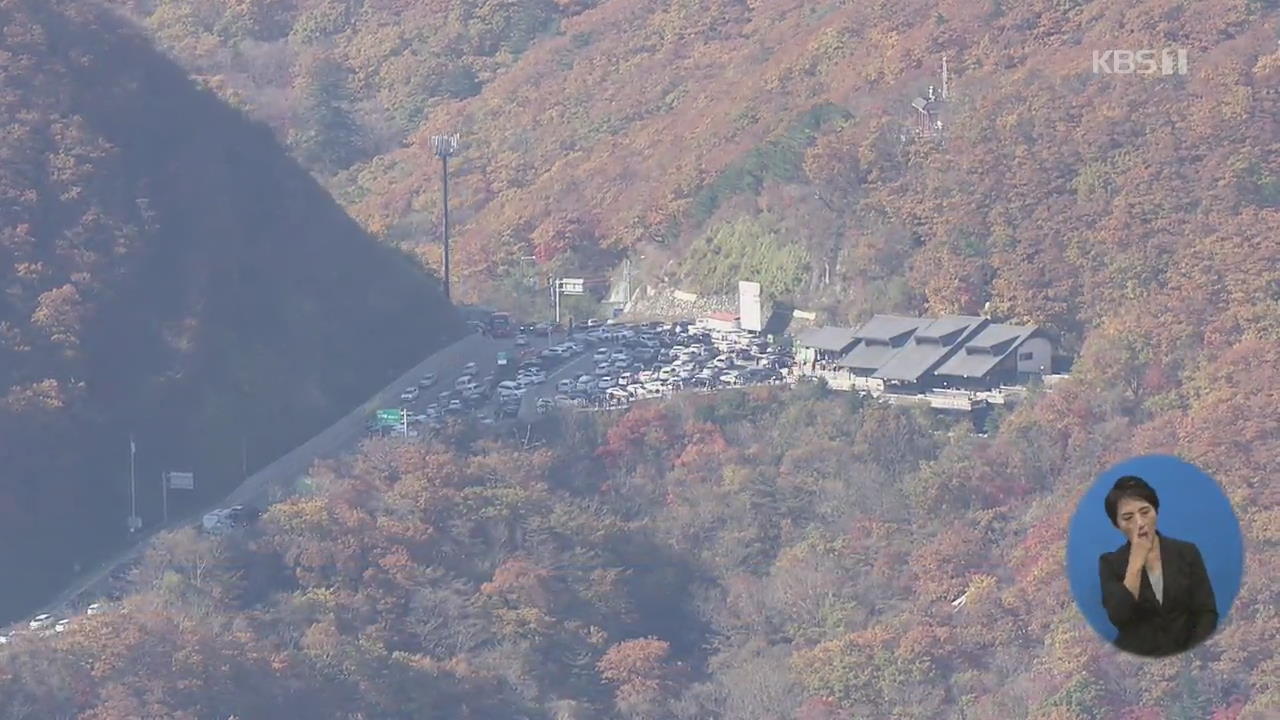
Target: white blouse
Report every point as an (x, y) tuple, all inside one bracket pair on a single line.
[(1157, 584)]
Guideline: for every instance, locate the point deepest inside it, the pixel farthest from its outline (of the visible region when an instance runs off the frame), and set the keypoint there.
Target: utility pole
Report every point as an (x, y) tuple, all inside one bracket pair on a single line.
[(445, 146), (134, 524), (944, 77)]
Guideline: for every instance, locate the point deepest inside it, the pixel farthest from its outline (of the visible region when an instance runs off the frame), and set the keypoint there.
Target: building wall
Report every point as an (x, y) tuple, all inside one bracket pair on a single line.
[(1035, 355)]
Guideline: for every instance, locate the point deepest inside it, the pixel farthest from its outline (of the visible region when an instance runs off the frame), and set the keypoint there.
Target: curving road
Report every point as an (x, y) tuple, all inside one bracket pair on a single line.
[(278, 478)]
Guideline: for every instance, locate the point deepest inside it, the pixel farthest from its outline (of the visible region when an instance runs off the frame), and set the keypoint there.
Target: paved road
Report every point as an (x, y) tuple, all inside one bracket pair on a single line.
[(280, 477), (582, 364)]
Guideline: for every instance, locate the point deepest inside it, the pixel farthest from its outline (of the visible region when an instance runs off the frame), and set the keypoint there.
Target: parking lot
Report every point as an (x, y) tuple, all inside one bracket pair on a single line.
[(601, 366)]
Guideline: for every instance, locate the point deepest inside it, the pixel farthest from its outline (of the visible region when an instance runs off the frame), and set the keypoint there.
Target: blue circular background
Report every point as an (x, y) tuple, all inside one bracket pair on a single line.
[(1192, 508)]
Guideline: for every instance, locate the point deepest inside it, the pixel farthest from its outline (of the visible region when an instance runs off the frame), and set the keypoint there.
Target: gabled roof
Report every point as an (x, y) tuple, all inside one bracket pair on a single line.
[(984, 350), (924, 104), (930, 346), (828, 337), (879, 338)]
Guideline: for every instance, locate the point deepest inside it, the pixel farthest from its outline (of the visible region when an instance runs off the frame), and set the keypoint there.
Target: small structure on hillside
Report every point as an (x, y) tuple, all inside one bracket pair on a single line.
[(928, 109)]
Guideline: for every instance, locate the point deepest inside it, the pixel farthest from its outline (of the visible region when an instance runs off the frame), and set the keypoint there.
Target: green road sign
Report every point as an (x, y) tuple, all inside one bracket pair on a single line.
[(389, 417)]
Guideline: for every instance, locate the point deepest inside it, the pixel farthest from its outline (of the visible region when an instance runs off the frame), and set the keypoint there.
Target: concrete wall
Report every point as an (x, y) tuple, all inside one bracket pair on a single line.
[(1041, 360)]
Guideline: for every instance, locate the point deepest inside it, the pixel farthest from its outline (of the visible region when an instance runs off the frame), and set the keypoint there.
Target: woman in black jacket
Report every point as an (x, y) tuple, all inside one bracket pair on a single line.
[(1155, 588)]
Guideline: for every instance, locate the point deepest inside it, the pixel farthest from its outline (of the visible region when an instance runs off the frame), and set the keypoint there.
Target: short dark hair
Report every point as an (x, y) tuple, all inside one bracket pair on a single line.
[(1130, 486)]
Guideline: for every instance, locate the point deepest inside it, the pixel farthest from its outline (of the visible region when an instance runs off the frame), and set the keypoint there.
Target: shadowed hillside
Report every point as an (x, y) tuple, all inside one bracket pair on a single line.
[(167, 269)]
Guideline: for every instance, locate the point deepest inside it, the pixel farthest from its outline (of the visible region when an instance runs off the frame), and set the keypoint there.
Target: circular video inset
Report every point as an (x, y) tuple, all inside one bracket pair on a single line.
[(1155, 555)]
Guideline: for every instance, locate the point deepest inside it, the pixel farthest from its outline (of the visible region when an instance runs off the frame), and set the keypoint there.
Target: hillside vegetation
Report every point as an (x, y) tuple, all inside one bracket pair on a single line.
[(755, 555), (1061, 196), (764, 554), (167, 270)]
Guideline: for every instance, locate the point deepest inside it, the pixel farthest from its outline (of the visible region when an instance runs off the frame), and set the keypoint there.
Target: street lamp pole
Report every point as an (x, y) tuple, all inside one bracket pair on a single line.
[(556, 286), (133, 488), (445, 146)]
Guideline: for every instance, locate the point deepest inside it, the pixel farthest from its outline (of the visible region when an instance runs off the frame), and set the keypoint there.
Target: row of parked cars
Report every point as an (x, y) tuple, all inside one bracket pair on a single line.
[(655, 359)]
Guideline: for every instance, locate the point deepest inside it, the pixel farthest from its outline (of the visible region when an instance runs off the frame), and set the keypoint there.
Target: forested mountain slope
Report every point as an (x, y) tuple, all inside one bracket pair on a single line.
[(167, 269), (764, 555), (752, 555), (662, 128)]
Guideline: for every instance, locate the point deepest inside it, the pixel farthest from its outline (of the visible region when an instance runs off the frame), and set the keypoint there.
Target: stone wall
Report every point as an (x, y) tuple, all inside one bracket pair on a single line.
[(664, 304)]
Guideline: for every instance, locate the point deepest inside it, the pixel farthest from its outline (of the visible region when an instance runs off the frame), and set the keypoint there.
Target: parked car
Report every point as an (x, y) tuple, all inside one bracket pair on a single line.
[(469, 369), (40, 621), (410, 394)]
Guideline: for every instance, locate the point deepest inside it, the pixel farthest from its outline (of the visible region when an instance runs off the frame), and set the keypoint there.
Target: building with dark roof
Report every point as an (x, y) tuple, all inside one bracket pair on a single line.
[(999, 354), (824, 344), (910, 354)]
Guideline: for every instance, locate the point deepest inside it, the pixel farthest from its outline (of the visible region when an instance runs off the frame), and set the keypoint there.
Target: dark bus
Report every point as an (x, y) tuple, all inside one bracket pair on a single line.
[(500, 325)]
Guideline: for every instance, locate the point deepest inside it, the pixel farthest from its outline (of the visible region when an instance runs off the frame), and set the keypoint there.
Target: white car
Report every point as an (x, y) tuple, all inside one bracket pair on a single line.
[(605, 382), (601, 354), (526, 381), (469, 369), (427, 380), (462, 382), (604, 368), (93, 609), (410, 394), (521, 341), (537, 376), (62, 624), (40, 622), (565, 386)]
